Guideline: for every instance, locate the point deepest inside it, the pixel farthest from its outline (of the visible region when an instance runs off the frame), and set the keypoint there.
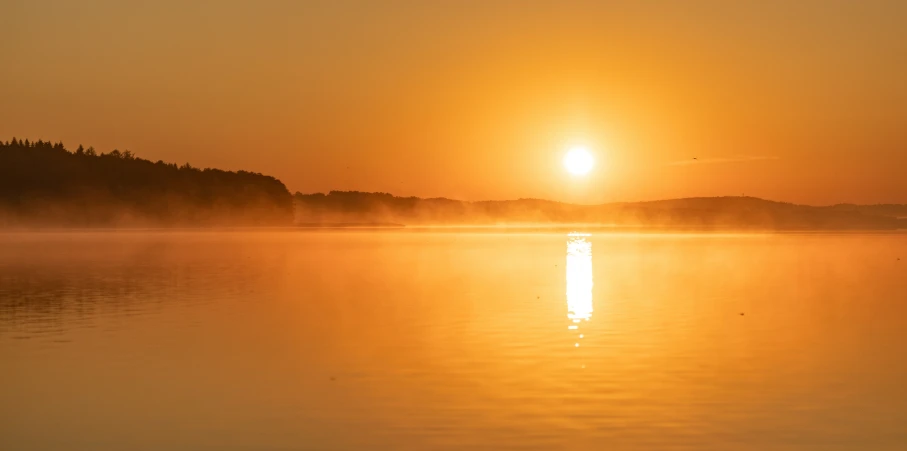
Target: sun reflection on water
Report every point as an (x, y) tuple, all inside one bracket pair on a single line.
[(579, 281)]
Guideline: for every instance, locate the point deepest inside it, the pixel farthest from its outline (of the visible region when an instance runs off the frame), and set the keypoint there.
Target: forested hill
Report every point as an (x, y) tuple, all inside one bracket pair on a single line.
[(44, 184), (704, 212)]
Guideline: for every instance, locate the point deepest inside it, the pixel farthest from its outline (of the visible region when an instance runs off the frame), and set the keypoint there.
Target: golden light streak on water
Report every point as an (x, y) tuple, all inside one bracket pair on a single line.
[(579, 281)]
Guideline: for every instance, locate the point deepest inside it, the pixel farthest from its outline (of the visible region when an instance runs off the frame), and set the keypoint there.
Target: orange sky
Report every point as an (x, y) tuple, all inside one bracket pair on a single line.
[(797, 101)]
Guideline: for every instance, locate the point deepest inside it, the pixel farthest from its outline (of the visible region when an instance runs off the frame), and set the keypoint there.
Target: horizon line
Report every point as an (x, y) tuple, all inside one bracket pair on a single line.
[(839, 204)]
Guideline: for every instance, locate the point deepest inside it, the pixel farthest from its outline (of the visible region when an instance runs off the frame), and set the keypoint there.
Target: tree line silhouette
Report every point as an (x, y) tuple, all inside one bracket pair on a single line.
[(701, 213), (43, 183)]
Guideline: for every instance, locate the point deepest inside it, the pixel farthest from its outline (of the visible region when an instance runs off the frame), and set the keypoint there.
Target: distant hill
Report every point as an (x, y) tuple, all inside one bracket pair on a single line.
[(703, 213), (893, 210), (44, 184)]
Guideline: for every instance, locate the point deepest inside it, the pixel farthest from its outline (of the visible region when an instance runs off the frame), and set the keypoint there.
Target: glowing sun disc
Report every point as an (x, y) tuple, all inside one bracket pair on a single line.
[(579, 161)]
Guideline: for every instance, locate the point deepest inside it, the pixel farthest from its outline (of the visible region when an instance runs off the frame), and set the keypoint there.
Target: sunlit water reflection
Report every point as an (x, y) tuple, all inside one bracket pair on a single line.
[(451, 341), (579, 283)]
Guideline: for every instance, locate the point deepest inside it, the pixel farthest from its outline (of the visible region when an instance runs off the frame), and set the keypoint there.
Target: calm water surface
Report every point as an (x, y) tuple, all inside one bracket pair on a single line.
[(313, 340)]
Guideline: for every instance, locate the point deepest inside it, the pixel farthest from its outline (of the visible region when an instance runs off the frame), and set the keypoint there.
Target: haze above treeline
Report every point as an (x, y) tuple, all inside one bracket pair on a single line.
[(44, 184)]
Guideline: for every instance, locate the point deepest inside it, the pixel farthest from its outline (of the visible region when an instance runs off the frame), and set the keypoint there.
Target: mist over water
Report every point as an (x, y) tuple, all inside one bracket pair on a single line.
[(428, 339)]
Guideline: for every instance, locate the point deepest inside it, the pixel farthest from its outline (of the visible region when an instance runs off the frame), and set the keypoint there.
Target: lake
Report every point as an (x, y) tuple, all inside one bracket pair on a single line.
[(452, 340)]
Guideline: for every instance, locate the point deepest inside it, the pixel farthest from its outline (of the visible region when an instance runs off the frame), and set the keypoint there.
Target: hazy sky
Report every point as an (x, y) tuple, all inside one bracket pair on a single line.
[(789, 100)]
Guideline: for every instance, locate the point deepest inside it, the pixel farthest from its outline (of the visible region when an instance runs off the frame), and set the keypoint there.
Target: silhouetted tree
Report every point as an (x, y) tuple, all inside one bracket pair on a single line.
[(42, 182)]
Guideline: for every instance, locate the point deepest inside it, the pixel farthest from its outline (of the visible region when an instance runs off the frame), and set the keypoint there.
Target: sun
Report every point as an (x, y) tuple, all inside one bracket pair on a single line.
[(578, 161)]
